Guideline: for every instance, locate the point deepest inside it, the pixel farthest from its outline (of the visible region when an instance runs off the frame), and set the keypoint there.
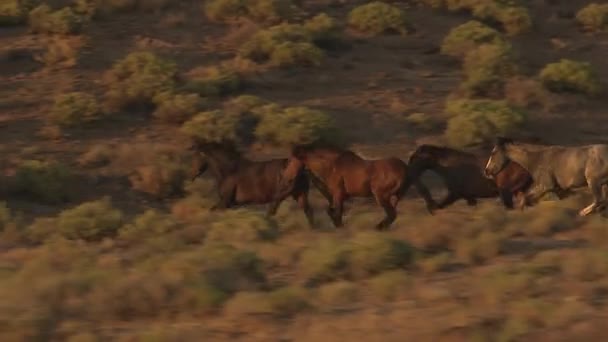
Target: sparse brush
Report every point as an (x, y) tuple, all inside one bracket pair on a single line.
[(571, 76), (487, 67), (97, 156), (75, 109), (377, 17), (593, 17), (372, 253), (388, 285), (90, 221), (283, 45), (15, 12), (338, 294), (263, 11), (47, 182), (213, 81), (43, 19), (135, 80), (176, 108), (293, 125), (242, 227), (325, 261), (466, 37), (60, 52), (473, 122)]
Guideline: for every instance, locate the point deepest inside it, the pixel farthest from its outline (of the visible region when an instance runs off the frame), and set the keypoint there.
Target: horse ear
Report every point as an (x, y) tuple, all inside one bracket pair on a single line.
[(502, 141)]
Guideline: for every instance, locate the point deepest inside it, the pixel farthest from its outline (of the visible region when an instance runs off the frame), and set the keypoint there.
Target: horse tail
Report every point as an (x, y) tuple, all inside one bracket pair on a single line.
[(408, 180)]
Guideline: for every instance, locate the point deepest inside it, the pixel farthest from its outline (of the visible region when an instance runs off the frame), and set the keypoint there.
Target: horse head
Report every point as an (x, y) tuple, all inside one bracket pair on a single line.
[(498, 159)]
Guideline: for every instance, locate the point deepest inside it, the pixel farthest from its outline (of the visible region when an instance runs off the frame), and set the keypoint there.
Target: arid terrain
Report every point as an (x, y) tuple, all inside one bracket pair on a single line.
[(104, 236)]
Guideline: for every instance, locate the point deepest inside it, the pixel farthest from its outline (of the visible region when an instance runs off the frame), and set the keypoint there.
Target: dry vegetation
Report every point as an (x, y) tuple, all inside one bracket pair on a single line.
[(103, 236)]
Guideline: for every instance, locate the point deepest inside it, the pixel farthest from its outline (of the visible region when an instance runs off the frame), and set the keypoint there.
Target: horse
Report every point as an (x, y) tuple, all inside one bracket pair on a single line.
[(241, 181), (556, 168), (462, 173), (340, 174)]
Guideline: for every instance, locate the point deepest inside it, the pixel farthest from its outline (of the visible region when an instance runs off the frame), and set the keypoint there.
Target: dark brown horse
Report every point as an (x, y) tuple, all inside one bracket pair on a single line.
[(241, 181), (341, 174), (463, 175)]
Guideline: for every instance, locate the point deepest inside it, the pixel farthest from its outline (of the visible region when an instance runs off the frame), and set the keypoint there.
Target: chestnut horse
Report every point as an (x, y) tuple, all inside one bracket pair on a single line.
[(241, 181), (341, 174), (463, 175)]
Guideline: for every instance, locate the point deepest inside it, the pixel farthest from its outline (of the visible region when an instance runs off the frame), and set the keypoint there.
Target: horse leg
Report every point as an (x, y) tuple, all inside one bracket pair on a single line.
[(389, 205), (325, 192), (596, 191), (423, 191), (302, 200), (449, 199), (471, 201), (507, 198), (227, 193), (521, 200), (337, 209)]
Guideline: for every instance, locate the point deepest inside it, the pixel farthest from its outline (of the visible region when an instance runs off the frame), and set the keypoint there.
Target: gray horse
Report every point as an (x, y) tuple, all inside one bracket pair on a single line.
[(556, 168)]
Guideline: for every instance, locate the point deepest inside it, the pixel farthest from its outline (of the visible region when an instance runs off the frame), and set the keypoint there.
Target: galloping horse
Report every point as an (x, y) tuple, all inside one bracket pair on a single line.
[(464, 179), (556, 168), (241, 181), (341, 174)]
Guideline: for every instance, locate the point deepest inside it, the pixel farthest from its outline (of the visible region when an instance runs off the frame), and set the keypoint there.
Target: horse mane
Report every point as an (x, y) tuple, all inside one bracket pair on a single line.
[(319, 146)]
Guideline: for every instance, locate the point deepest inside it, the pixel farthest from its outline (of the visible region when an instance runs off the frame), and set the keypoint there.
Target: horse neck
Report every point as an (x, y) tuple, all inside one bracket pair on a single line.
[(321, 164), (526, 157)]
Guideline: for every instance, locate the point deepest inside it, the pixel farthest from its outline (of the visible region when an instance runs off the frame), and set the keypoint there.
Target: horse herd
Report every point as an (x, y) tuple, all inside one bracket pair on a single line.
[(513, 170)]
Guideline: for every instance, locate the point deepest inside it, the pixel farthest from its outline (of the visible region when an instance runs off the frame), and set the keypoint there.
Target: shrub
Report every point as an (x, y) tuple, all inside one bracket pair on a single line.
[(265, 11), (137, 79), (73, 109), (466, 37), (323, 29), (338, 294), (377, 17), (219, 126), (388, 285), (160, 178), (14, 12), (514, 20), (283, 45), (570, 76), (526, 92), (242, 226), (91, 221), (477, 247), (149, 224), (43, 19), (287, 301), (176, 108), (474, 122), (325, 261), (593, 17), (97, 156), (214, 81), (372, 253), (43, 181), (231, 269), (487, 67), (59, 52), (293, 125)]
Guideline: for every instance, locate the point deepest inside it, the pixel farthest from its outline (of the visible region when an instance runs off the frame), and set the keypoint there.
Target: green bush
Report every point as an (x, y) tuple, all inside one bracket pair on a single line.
[(43, 181), (474, 122), (43, 19), (387, 285), (287, 301), (514, 18), (217, 126), (372, 253), (283, 45), (293, 125), (214, 81), (324, 261), (176, 108), (91, 221), (377, 17), (160, 177), (73, 109), (149, 224), (466, 37), (231, 269), (14, 12), (264, 11), (323, 29), (242, 226), (593, 17), (135, 80), (486, 69), (338, 294), (570, 76)]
